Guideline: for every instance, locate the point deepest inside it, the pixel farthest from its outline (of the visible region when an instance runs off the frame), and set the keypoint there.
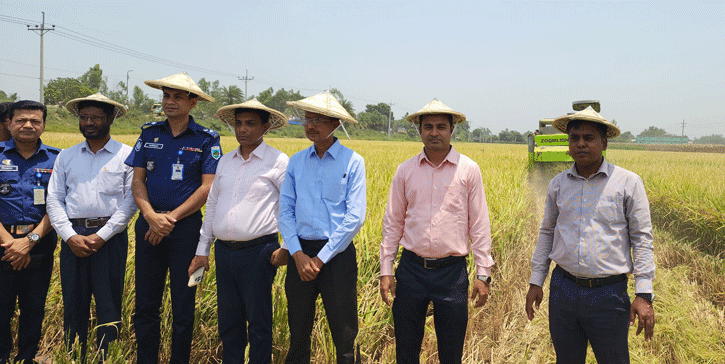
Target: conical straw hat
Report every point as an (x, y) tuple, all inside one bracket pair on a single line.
[(72, 105), (323, 103), (587, 114), (276, 118), (436, 107), (180, 81)]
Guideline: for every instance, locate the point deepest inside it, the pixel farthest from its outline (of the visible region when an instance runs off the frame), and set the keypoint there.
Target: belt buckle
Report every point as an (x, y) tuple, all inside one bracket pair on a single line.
[(425, 263), (92, 223)]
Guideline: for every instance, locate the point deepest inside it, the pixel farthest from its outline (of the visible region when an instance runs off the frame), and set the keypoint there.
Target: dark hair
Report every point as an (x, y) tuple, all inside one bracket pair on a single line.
[(107, 108), (27, 105), (450, 119), (4, 108), (264, 115), (577, 123)]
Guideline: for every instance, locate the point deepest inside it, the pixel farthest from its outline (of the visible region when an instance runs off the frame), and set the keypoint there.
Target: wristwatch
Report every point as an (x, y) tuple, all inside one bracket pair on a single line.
[(34, 238), (486, 279), (650, 297)]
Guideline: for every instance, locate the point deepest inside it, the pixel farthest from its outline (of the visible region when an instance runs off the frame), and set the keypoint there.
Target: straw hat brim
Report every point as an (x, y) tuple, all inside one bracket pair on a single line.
[(561, 122), (180, 81), (457, 116), (119, 109), (324, 104), (436, 107), (227, 113)]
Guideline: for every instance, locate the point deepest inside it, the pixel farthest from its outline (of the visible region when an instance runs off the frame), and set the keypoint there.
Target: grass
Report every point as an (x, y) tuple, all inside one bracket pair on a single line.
[(686, 195)]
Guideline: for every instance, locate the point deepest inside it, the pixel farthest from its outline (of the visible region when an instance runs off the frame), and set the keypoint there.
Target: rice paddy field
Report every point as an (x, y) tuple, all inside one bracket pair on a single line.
[(687, 197)]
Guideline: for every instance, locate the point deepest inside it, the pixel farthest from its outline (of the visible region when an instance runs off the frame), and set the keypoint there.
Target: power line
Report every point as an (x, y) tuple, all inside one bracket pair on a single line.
[(10, 74), (41, 30)]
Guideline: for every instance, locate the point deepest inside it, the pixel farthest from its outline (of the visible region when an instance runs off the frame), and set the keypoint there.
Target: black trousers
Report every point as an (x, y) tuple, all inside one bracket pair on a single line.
[(244, 296), (415, 288), (30, 287), (580, 315), (173, 254), (337, 283), (101, 275)]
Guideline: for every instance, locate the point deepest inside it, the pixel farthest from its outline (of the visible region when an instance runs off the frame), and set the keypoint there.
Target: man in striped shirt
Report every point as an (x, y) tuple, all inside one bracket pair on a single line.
[(597, 229)]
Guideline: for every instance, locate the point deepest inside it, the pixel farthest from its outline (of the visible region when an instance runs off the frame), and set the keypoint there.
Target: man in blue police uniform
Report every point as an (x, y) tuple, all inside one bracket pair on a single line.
[(174, 164), (28, 240)]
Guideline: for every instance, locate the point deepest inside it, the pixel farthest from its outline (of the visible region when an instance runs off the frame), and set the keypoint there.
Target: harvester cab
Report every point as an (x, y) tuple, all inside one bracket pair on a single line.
[(548, 145), (158, 111)]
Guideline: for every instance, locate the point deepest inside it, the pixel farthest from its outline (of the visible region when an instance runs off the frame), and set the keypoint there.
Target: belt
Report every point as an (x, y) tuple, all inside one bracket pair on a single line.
[(20, 229), (235, 245), (91, 222), (593, 282), (431, 263)]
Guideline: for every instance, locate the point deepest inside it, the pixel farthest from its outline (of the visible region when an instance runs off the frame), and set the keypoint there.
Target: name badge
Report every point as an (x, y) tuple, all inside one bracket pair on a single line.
[(153, 145), (39, 196), (177, 172), (8, 168)]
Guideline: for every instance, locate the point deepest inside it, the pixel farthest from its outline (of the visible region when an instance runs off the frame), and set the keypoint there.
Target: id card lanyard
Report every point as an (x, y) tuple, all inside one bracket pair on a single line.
[(38, 190), (177, 169)]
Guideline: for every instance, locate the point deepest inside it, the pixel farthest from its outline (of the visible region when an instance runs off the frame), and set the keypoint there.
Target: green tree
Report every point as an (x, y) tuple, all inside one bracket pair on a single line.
[(64, 90), (462, 131), (8, 98), (711, 139), (278, 100), (625, 137), (347, 104), (373, 120), (232, 95), (654, 131), (141, 101), (93, 79)]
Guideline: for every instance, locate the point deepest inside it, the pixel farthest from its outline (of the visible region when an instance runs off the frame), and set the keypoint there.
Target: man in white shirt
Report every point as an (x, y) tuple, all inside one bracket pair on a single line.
[(241, 213), (90, 203)]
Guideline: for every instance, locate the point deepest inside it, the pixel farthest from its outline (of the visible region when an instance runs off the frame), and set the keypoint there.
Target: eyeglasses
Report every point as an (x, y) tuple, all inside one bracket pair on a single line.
[(93, 118)]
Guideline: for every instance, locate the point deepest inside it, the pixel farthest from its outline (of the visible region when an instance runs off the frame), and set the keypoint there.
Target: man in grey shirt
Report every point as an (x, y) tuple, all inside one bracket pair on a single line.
[(597, 229)]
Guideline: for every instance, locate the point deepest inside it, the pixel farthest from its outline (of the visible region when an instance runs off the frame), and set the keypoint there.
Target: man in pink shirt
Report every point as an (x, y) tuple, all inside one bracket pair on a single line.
[(436, 205)]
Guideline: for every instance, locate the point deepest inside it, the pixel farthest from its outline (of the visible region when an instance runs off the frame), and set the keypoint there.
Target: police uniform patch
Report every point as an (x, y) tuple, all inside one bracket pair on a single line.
[(150, 165), (216, 152), (5, 189), (138, 145), (6, 162), (153, 145)]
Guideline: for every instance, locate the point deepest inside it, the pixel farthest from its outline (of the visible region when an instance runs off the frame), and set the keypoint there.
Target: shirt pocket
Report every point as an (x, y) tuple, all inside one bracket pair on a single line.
[(111, 183), (335, 188), (609, 209)]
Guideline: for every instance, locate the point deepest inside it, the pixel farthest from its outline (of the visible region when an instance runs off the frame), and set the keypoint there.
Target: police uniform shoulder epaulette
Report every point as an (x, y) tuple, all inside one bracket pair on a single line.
[(211, 132), (153, 123), (54, 150)]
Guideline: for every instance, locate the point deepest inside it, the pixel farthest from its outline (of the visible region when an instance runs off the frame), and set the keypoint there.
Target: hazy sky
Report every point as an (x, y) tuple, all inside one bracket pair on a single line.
[(503, 64)]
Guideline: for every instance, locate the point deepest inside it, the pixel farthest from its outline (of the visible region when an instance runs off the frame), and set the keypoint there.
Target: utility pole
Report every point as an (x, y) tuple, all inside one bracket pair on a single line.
[(127, 99), (245, 79), (390, 112), (41, 30), (683, 131)]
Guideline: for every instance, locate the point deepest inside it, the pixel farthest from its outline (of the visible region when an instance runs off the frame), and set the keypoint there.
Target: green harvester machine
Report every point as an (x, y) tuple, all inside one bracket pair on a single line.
[(548, 145)]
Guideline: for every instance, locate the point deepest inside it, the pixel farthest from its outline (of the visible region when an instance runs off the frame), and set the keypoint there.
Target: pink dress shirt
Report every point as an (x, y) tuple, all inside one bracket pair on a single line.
[(434, 211)]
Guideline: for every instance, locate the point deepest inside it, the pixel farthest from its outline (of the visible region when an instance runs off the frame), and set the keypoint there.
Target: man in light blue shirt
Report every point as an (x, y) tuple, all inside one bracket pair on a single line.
[(90, 203), (322, 206)]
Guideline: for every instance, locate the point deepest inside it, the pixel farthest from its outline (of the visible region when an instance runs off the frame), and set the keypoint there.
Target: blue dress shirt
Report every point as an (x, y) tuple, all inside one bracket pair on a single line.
[(159, 151), (323, 198), (19, 177)]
